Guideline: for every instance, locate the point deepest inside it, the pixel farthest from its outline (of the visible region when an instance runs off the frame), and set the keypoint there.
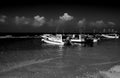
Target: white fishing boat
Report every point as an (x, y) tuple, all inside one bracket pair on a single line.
[(81, 39), (77, 39), (110, 36), (53, 39)]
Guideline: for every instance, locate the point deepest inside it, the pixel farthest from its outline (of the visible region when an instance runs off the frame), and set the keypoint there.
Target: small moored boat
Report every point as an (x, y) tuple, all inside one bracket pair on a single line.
[(110, 36), (53, 39), (77, 39)]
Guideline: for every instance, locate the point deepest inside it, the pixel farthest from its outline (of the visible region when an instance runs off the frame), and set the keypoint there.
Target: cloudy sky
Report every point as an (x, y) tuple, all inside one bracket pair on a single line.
[(23, 16)]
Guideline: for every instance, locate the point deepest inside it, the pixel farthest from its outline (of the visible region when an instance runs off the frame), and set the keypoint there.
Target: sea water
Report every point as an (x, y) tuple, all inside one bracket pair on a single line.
[(29, 58)]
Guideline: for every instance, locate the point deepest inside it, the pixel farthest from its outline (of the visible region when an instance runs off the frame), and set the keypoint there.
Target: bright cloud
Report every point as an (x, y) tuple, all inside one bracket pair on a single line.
[(98, 23), (22, 20), (81, 22), (61, 21), (3, 18), (52, 22), (38, 21), (111, 23), (66, 17)]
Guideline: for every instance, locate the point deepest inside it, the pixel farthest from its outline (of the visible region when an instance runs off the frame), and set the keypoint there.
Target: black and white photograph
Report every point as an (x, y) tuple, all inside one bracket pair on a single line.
[(59, 39)]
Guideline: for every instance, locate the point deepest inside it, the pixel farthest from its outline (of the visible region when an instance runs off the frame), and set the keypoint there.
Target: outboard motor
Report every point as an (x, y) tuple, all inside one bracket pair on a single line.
[(67, 41)]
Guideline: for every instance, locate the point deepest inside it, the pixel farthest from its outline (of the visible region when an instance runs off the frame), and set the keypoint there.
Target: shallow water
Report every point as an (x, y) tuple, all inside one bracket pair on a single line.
[(28, 58)]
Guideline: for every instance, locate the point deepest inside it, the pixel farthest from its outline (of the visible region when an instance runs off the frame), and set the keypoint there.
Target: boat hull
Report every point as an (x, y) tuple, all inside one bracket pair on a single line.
[(77, 40), (110, 37), (52, 42)]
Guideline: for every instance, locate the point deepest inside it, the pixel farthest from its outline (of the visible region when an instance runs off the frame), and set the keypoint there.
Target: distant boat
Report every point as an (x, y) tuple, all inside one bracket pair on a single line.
[(110, 36), (53, 39), (7, 36), (77, 39)]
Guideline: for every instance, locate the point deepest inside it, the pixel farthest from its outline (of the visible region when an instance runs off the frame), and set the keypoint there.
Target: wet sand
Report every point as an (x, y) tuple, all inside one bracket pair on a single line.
[(56, 68)]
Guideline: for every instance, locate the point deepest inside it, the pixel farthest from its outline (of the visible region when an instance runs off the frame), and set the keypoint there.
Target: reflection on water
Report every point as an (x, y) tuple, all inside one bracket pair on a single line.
[(60, 51)]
